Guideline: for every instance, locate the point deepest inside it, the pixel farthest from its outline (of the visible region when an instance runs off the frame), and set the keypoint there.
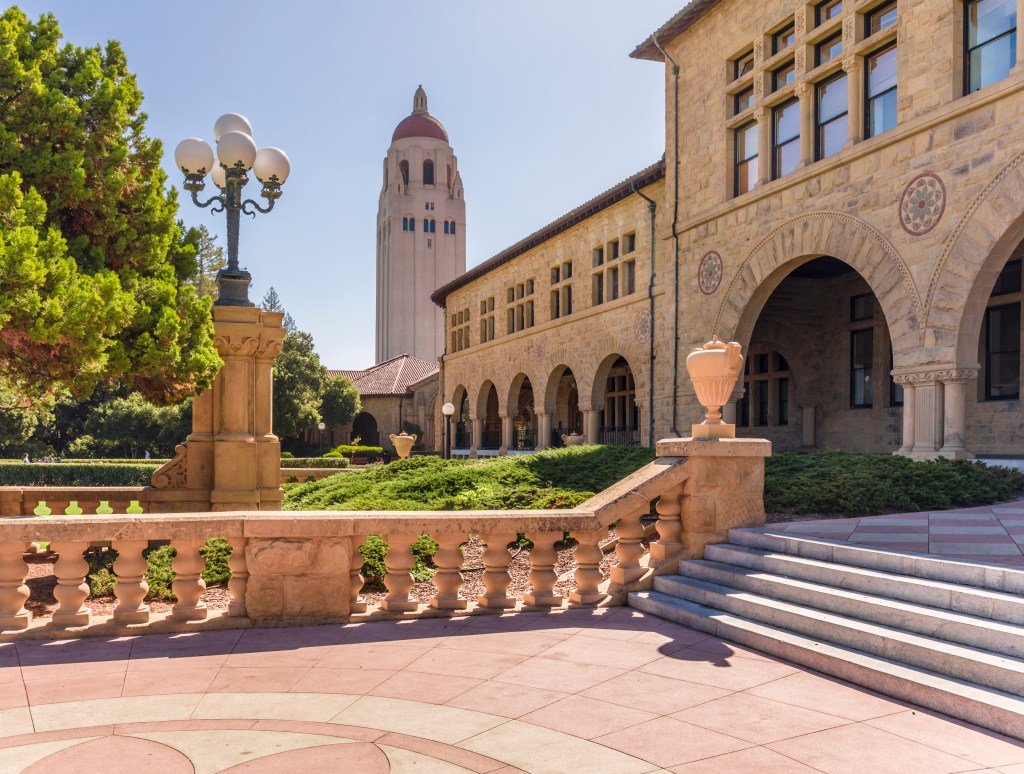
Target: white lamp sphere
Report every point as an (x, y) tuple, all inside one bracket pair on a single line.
[(193, 157), (321, 426), (447, 409), (236, 147), (231, 122), (271, 162), (219, 176)]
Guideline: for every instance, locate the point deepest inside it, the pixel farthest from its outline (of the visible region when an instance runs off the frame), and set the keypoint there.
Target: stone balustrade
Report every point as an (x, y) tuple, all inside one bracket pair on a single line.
[(304, 566)]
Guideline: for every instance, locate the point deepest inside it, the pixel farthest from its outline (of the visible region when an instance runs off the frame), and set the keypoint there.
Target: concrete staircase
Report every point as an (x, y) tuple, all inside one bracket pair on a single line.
[(946, 635)]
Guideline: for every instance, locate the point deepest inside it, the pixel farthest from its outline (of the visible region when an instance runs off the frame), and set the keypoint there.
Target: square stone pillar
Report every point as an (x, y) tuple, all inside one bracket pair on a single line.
[(298, 579), (591, 423), (954, 385), (543, 440), (725, 488), (507, 429)]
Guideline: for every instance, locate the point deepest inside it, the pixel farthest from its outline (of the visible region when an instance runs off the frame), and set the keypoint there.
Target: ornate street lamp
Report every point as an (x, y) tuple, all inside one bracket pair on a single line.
[(448, 409), (236, 155), (321, 427)]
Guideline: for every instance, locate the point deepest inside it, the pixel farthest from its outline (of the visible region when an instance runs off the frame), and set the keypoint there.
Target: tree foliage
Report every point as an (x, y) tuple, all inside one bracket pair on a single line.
[(93, 266), (340, 401), (209, 259), (127, 427)]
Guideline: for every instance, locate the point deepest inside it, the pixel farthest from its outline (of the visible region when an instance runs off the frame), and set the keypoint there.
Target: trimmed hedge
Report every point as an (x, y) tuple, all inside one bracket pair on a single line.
[(349, 451), (76, 474), (314, 462), (848, 484)]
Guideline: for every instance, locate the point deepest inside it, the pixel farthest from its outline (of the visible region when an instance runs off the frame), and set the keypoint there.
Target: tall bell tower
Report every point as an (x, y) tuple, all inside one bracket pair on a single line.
[(421, 235)]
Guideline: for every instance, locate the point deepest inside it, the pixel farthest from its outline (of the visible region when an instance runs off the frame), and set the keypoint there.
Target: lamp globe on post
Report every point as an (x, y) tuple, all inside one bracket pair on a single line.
[(321, 427), (448, 410)]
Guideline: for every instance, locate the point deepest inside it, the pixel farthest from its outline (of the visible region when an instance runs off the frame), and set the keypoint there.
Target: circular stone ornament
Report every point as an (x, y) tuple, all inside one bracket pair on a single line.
[(709, 273), (922, 204), (642, 326)]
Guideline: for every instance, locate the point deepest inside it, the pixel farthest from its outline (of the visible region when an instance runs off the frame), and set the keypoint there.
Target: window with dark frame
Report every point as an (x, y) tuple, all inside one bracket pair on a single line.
[(829, 9), (990, 42), (895, 390), (783, 76), (828, 49), (878, 19), (861, 361), (766, 396), (880, 91), (746, 172), (831, 116), (743, 64), (1002, 352), (784, 38), (628, 243), (785, 138), (744, 100), (862, 307), (1009, 280)]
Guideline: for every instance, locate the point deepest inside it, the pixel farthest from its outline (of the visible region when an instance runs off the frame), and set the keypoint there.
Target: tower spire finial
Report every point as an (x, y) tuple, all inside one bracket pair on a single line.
[(419, 101)]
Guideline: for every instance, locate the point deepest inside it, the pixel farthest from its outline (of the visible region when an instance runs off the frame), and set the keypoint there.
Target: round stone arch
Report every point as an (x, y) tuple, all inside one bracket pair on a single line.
[(552, 367), (591, 381), (814, 235), (597, 386), (969, 264), (516, 384), (480, 404)]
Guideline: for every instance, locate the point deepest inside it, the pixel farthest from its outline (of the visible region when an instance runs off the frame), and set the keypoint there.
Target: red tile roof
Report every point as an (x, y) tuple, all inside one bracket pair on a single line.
[(392, 377)]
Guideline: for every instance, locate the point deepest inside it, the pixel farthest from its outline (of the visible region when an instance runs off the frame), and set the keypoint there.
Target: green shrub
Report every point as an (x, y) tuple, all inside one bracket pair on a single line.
[(843, 483), (159, 573), (374, 549), (350, 450), (315, 462), (77, 474), (286, 455)]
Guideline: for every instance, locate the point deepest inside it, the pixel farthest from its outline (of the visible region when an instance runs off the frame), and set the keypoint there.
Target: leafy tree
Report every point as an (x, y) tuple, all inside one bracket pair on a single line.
[(272, 303), (209, 259), (340, 401), (299, 382), (126, 427), (93, 266)]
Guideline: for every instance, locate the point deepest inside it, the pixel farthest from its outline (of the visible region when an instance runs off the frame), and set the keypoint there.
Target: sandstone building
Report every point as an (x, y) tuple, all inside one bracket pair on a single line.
[(842, 192)]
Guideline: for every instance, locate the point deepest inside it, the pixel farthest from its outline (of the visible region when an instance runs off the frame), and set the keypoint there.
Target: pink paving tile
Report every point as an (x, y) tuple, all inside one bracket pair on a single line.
[(732, 673), (749, 761), (371, 656), (828, 695), (895, 529), (10, 674), (915, 547), (8, 655), (653, 693), (757, 720), (858, 748), (181, 681), (58, 735), (337, 730), (994, 540), (417, 686), (518, 643), (581, 649), (192, 644), (265, 680), (12, 695), (36, 652), (285, 657), (355, 681), (724, 648), (168, 664), (361, 757), (586, 718), (984, 748), (74, 688), (505, 699), (114, 755), (669, 742), (948, 522), (56, 671), (289, 638), (464, 663), (558, 675), (442, 752), (209, 724)]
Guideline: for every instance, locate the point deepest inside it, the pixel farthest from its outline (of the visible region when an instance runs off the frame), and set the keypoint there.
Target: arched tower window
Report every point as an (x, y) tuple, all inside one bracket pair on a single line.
[(428, 172), (452, 228), (432, 224), (403, 166)]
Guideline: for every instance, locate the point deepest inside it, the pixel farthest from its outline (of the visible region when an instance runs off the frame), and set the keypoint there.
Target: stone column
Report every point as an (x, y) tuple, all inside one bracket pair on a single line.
[(725, 488), (507, 429), (807, 426), (477, 433), (909, 414), (764, 145), (543, 430), (268, 445), (854, 68), (954, 411), (591, 422), (928, 407), (805, 93)]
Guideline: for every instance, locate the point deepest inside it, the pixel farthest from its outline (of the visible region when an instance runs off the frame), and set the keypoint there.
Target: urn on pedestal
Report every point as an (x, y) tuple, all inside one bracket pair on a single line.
[(403, 443), (714, 369)]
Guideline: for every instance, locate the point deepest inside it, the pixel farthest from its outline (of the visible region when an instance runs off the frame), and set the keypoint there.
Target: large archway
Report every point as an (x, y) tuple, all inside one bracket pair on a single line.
[(364, 427), (614, 396), (522, 411), (819, 356), (562, 402), (462, 434), (487, 414)]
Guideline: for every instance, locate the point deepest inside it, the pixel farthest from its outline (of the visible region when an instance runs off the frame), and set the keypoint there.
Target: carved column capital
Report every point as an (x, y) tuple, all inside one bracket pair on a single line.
[(957, 375), (236, 345)]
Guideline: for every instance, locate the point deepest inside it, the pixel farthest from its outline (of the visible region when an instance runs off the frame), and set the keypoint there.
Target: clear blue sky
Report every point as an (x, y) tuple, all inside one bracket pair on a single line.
[(542, 105)]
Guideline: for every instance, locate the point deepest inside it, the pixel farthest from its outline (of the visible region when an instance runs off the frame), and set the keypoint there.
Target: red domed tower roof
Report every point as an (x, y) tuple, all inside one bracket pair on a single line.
[(420, 123)]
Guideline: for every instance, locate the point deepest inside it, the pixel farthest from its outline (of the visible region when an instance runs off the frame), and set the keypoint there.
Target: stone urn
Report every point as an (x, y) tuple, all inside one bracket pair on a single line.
[(714, 369), (403, 444), (574, 439)]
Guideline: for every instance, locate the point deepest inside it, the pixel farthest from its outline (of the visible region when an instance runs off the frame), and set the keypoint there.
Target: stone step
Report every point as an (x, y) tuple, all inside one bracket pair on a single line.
[(980, 602), (981, 575), (993, 709), (998, 637), (1005, 673)]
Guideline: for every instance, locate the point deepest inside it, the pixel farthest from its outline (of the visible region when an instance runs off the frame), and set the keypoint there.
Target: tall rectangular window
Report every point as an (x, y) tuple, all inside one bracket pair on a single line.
[(784, 38), (831, 121), (782, 401), (761, 401), (567, 300), (861, 359), (630, 281), (881, 91), (556, 307), (828, 49), (598, 256), (744, 100), (613, 283), (1002, 352), (786, 138), (743, 64), (991, 41), (783, 76), (829, 9), (877, 20), (746, 174), (599, 288)]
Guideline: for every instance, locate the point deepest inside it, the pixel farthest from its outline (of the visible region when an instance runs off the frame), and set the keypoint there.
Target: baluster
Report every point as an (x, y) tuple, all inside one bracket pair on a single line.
[(188, 583), (355, 577), (73, 509), (542, 570), (72, 590), (629, 549), (13, 591), (41, 509), (399, 560), (588, 558), (131, 587), (670, 526), (496, 578), (104, 509), (448, 579), (239, 580), (133, 508)]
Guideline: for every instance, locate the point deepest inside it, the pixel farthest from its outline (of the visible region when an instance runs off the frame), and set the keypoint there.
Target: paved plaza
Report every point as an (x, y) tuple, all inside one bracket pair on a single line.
[(612, 690), (985, 534)]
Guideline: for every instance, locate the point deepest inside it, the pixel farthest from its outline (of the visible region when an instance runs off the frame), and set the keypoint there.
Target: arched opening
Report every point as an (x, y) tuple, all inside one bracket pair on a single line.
[(403, 167), (428, 172), (615, 394), (487, 412), (524, 415), (562, 399), (462, 435), (821, 320), (364, 428)]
